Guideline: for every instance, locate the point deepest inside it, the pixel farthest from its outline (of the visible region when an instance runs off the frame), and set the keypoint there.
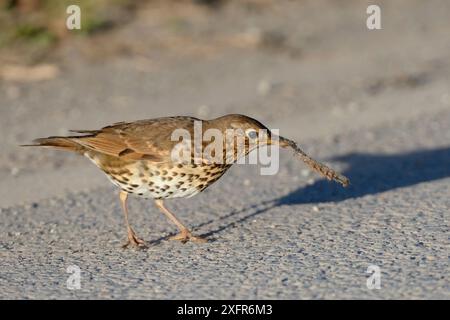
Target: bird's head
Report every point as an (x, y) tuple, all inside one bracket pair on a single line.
[(255, 133), (239, 130)]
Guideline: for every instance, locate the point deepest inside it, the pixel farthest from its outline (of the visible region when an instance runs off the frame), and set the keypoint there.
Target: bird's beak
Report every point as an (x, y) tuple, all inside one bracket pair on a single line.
[(280, 141)]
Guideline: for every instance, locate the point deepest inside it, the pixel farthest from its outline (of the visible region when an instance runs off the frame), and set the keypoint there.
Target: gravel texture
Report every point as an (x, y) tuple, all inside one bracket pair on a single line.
[(374, 105)]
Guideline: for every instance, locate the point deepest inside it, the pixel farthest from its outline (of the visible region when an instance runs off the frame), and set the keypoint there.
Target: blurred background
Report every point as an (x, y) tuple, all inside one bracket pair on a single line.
[(374, 104), (309, 67)]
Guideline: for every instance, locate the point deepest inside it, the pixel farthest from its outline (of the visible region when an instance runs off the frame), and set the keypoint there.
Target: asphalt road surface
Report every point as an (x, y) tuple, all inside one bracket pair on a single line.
[(374, 105), (282, 236)]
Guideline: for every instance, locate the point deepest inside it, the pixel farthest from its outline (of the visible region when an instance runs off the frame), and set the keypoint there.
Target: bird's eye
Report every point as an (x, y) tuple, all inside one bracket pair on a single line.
[(252, 134)]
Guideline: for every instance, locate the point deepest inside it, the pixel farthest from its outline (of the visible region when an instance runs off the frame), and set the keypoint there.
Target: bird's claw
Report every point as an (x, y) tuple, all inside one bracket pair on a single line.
[(134, 241), (185, 236)]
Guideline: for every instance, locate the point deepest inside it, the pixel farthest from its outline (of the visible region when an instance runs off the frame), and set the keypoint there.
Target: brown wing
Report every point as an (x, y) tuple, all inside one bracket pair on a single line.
[(144, 139)]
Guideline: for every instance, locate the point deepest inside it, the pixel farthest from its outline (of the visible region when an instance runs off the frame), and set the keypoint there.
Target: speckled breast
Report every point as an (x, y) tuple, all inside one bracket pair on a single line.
[(161, 180)]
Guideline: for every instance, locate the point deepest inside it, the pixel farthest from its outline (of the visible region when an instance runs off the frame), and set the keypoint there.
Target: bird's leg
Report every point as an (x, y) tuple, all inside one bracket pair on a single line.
[(185, 235), (133, 240)]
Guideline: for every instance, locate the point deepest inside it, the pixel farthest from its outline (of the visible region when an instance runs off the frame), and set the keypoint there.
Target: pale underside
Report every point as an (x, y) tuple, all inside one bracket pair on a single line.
[(148, 179)]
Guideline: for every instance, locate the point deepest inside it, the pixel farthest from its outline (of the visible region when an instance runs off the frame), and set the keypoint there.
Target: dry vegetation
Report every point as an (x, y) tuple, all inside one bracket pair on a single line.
[(31, 28)]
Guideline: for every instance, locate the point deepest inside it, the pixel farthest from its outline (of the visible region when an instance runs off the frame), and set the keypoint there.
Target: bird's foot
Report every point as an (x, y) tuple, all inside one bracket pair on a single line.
[(134, 241), (185, 236)]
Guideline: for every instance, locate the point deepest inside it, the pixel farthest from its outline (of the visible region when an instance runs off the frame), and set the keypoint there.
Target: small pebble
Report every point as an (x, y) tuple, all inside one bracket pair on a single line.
[(203, 111), (264, 87), (15, 171), (305, 172)]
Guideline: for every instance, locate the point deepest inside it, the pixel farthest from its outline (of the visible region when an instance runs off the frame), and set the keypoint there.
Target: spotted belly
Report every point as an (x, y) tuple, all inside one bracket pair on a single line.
[(159, 181)]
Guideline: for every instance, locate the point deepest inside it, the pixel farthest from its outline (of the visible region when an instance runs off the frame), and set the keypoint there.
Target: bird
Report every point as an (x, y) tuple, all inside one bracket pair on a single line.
[(145, 159)]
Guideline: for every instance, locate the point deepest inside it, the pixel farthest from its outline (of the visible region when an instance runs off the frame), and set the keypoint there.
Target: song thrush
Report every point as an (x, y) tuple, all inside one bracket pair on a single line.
[(138, 157)]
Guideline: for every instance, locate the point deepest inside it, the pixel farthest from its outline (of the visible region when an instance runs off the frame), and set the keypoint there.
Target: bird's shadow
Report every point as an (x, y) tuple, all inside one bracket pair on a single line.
[(368, 173), (375, 173)]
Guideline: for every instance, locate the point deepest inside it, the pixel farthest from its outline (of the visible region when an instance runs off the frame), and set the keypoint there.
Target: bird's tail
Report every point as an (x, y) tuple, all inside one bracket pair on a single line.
[(62, 143)]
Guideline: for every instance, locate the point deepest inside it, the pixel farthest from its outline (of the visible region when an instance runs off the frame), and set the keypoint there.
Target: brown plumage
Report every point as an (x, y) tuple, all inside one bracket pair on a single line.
[(138, 158)]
